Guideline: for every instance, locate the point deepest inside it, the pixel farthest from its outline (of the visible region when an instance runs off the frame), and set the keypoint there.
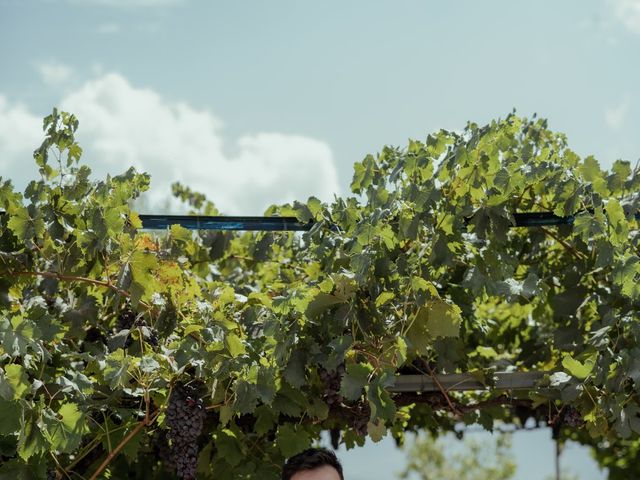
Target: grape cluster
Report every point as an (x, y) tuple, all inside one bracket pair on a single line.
[(163, 450), (572, 418), (360, 419), (332, 380), (127, 320), (150, 335), (184, 417), (335, 437), (52, 475)]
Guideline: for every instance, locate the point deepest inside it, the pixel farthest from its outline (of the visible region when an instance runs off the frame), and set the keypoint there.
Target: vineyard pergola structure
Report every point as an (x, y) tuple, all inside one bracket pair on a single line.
[(477, 277)]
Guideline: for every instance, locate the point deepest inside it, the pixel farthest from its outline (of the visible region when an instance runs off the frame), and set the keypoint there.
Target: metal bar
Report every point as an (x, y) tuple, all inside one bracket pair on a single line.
[(196, 222), (539, 219), (201, 222), (465, 382)]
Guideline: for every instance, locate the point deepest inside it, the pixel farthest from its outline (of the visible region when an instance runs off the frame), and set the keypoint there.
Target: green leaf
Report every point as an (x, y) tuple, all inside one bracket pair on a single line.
[(619, 233), (294, 373), (116, 371), (436, 319), (229, 446), (578, 369), (443, 319), (246, 397), (26, 223), (14, 382), (266, 385), (292, 439), (234, 345), (320, 303), (354, 380), (384, 297), (377, 430), (67, 428), (10, 418), (381, 403), (265, 419), (226, 414), (363, 174), (31, 441)]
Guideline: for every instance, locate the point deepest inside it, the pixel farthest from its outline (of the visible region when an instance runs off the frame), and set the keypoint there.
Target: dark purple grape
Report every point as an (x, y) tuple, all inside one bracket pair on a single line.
[(332, 380), (125, 319), (572, 418), (185, 416)]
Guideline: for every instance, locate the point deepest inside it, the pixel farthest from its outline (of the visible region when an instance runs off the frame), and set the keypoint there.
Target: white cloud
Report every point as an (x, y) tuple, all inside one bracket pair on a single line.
[(20, 135), (616, 116), (628, 13), (54, 74), (121, 125)]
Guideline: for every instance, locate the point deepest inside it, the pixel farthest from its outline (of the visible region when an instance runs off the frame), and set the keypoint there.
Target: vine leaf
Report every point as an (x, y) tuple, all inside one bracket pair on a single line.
[(229, 446), (354, 380), (292, 440), (10, 417), (377, 430), (436, 319), (320, 303), (14, 382), (31, 440), (576, 368), (66, 428)]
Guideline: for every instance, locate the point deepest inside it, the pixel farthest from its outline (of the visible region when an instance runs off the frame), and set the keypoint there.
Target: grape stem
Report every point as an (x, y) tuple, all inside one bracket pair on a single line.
[(453, 408)]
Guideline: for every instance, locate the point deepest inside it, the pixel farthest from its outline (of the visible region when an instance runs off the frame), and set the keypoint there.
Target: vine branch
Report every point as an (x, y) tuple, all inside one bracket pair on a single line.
[(75, 278), (113, 453)]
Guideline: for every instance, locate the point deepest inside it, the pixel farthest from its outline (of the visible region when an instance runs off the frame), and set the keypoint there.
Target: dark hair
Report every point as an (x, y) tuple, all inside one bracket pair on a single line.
[(311, 459)]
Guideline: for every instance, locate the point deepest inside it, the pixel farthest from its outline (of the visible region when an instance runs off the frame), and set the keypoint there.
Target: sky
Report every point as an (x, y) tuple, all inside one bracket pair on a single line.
[(254, 103)]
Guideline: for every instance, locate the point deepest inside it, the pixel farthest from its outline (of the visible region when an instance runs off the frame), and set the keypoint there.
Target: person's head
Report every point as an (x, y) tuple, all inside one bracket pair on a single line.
[(313, 464)]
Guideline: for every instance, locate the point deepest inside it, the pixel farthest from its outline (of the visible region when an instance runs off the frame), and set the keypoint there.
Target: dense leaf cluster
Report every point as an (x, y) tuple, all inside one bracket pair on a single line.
[(418, 271)]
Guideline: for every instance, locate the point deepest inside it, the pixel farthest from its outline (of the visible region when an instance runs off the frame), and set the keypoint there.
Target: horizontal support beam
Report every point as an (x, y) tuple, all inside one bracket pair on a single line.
[(201, 222), (291, 224), (534, 219), (466, 382)]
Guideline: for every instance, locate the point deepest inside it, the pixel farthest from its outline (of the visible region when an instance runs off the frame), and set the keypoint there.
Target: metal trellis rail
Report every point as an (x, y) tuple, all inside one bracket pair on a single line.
[(466, 382), (195, 222), (292, 224)]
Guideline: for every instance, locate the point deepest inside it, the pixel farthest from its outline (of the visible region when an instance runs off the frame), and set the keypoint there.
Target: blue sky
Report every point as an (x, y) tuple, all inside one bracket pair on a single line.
[(261, 102), (280, 98)]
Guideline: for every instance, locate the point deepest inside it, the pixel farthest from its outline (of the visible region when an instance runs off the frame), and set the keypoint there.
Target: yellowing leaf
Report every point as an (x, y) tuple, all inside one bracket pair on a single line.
[(234, 345), (384, 297), (576, 368)]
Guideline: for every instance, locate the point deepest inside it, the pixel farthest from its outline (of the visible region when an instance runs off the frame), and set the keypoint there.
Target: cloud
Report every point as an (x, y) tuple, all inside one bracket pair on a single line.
[(54, 74), (628, 13), (20, 134), (616, 116), (123, 125)]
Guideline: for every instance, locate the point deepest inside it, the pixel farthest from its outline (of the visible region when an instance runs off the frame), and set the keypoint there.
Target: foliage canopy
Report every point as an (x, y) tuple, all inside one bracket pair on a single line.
[(288, 335)]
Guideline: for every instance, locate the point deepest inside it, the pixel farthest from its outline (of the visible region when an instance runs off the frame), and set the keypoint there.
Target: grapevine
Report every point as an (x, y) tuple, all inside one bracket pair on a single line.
[(115, 341)]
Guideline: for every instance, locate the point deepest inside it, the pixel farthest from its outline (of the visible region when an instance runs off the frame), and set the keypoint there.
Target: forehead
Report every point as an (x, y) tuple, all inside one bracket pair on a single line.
[(325, 472)]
